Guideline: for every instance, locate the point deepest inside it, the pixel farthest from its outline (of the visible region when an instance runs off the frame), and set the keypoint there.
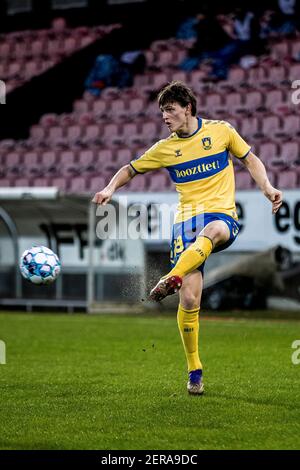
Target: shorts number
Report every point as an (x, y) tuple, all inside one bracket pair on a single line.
[(178, 246)]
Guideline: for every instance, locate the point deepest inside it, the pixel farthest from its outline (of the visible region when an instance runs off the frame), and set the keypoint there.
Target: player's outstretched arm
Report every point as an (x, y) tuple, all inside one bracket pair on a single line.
[(122, 177), (258, 172)]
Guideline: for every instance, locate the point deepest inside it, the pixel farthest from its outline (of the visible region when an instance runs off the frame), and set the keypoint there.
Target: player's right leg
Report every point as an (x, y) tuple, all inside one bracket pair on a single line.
[(193, 255), (188, 324)]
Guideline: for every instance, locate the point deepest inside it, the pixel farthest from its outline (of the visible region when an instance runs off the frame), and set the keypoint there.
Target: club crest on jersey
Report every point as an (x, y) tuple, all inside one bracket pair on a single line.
[(178, 153), (206, 142)]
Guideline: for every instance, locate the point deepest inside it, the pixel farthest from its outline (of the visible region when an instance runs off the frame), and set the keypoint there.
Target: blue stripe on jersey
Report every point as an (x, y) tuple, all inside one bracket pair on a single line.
[(198, 169)]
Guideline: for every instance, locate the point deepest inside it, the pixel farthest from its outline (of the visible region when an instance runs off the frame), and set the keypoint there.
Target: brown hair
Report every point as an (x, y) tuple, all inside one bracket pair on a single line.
[(178, 92)]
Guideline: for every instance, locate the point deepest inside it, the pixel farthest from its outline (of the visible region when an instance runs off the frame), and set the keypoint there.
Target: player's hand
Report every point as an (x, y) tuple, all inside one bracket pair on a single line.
[(275, 196), (103, 197)]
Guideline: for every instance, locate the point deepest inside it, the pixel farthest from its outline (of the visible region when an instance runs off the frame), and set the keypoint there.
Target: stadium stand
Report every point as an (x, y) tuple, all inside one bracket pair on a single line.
[(79, 150)]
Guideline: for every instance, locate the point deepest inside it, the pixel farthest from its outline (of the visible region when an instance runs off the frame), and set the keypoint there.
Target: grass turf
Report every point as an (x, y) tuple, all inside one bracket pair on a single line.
[(116, 382)]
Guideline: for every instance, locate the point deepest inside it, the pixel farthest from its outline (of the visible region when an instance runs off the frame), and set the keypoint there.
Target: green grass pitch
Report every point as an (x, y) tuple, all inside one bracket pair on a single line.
[(116, 382)]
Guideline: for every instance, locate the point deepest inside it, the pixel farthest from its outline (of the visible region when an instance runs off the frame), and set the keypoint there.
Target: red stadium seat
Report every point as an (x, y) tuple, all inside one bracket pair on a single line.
[(60, 183), (213, 100), (41, 182), (272, 175), (48, 120), (92, 133), (233, 99), (96, 183), (31, 69), (256, 75), (287, 180), (12, 163), (14, 68), (158, 181), (138, 183), (270, 125), (289, 152), (5, 50), (58, 25), (78, 185), (70, 45), (236, 75), (118, 109), (85, 41), (124, 156), (180, 75), (149, 131), (104, 158), (178, 57), (110, 133), (74, 134), (273, 97), (38, 133), (153, 111), (267, 152), (296, 50), (54, 47), (81, 106), (22, 182), (164, 59), (5, 182), (277, 73), (86, 160), (32, 164), (67, 162), (291, 125), (280, 50), (48, 161), (55, 136), (136, 107), (163, 132), (128, 129), (253, 99), (158, 80), (249, 126), (150, 57)]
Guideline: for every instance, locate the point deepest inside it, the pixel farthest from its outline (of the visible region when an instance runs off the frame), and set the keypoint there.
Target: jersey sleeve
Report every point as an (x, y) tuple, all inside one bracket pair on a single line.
[(236, 144), (149, 161)]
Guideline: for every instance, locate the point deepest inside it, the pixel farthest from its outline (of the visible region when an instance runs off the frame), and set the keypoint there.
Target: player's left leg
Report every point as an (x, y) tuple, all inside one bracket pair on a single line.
[(188, 324), (215, 233)]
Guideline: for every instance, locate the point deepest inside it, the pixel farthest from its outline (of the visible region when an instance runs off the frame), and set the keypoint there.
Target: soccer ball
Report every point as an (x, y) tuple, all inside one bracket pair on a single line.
[(40, 265)]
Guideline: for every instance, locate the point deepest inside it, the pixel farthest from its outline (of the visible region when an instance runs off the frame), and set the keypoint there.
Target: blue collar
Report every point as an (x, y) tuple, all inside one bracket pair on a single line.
[(198, 129)]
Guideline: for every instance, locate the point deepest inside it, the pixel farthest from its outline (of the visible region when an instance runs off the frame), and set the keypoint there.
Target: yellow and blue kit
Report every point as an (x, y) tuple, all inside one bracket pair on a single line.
[(202, 170)]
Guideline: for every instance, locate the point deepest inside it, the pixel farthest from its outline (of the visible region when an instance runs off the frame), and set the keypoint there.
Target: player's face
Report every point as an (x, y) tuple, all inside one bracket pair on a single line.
[(175, 116)]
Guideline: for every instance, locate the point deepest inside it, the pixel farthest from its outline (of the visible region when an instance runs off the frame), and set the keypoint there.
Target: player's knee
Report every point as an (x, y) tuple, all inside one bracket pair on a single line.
[(189, 300)]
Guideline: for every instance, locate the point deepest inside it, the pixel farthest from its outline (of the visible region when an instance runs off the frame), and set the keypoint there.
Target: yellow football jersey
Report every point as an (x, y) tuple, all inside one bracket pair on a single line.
[(200, 166)]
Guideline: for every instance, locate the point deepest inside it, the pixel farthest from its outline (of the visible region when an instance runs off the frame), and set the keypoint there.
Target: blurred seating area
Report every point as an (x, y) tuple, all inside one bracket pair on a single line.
[(80, 151)]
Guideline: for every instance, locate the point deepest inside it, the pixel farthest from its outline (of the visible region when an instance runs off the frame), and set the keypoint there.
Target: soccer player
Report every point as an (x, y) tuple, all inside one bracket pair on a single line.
[(196, 155)]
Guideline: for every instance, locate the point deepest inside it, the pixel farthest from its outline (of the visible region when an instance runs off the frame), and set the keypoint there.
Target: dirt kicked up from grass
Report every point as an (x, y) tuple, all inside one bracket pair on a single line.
[(119, 382)]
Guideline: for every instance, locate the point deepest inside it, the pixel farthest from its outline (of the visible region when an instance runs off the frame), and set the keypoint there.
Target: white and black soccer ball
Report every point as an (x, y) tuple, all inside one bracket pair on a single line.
[(40, 265)]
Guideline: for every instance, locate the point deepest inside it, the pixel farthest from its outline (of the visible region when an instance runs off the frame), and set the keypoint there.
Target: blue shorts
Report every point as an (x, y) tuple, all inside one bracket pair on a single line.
[(185, 233)]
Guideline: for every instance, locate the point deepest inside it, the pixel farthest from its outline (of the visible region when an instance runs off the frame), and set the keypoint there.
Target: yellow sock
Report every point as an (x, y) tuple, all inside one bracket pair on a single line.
[(188, 324), (193, 257)]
